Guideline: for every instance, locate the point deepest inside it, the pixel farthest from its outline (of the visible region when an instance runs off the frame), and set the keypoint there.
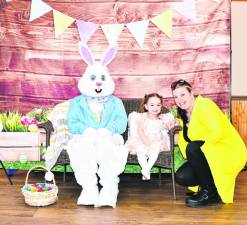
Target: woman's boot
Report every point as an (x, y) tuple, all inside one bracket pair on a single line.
[(207, 195)]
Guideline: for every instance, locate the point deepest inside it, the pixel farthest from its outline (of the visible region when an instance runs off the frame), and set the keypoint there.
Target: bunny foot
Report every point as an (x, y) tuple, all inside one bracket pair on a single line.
[(106, 198), (88, 197)]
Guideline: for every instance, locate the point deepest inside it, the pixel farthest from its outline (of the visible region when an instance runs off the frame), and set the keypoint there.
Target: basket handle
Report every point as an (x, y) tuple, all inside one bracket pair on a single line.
[(35, 167)]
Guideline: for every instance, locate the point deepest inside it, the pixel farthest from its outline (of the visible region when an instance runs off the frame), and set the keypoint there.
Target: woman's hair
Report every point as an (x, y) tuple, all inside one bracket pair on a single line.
[(183, 115), (181, 83), (177, 84), (145, 101)]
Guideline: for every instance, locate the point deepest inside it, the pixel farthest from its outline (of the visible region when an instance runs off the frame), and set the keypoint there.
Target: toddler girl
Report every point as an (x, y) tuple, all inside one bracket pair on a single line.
[(148, 132)]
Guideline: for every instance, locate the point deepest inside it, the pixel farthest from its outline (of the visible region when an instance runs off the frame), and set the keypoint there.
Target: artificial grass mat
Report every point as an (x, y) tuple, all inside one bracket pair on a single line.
[(178, 159)]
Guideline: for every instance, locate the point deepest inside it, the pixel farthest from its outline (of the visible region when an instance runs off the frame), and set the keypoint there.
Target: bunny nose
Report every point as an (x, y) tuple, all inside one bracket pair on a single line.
[(98, 84)]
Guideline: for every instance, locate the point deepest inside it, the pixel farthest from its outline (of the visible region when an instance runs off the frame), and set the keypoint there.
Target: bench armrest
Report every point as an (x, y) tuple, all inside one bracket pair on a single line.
[(174, 130), (48, 127)]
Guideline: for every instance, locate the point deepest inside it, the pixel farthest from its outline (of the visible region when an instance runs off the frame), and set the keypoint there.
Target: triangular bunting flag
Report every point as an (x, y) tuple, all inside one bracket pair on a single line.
[(164, 22), (61, 22), (38, 8), (112, 32), (86, 30), (138, 30), (187, 8)]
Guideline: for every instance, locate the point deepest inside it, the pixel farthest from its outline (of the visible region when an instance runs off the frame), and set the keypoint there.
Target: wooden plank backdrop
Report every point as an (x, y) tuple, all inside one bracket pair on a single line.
[(3, 3), (37, 69)]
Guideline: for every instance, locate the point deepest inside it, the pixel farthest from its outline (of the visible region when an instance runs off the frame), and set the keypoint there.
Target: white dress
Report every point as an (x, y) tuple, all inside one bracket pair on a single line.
[(154, 131)]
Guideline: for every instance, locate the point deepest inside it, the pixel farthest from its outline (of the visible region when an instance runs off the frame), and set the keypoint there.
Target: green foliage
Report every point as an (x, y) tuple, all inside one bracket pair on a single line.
[(22, 166), (15, 122), (174, 111), (39, 114), (11, 122)]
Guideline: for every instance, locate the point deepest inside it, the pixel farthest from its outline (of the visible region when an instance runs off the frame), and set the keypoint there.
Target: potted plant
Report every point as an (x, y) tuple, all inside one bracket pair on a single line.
[(20, 137)]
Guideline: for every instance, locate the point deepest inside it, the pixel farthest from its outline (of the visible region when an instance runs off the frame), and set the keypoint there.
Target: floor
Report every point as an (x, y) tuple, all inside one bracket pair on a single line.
[(139, 202)]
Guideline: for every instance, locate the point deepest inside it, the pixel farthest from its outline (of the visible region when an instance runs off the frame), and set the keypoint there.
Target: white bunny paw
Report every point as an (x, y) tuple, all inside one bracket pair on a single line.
[(118, 139), (90, 133), (103, 132)]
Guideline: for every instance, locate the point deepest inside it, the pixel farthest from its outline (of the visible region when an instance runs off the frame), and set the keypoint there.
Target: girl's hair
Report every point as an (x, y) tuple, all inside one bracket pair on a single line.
[(181, 83), (145, 101)]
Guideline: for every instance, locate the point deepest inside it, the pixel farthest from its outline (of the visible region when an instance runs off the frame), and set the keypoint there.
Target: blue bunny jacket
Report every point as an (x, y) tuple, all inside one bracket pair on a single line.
[(80, 117)]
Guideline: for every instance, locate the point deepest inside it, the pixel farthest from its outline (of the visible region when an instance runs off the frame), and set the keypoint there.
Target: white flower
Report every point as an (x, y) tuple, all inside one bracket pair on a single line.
[(33, 128), (38, 111)]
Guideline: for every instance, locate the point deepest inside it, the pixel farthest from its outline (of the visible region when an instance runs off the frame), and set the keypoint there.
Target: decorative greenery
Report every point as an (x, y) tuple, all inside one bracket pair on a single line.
[(11, 122), (15, 122), (174, 111), (39, 114)]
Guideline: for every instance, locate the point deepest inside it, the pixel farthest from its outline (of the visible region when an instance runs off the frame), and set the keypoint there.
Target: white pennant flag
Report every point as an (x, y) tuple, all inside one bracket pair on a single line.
[(138, 30), (112, 32), (38, 8), (187, 8)]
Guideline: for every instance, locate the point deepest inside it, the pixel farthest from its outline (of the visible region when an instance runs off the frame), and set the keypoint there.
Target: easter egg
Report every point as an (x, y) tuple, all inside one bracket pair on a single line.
[(23, 158), (33, 189)]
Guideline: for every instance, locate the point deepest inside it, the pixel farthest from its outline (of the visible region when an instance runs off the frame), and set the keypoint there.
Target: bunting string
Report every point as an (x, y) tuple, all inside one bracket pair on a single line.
[(112, 32)]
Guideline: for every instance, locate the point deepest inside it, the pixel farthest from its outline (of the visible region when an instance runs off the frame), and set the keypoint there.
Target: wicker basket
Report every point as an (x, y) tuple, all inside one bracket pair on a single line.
[(40, 198)]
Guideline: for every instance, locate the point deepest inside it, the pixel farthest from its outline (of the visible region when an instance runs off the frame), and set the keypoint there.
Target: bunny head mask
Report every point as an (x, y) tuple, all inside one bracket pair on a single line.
[(96, 80)]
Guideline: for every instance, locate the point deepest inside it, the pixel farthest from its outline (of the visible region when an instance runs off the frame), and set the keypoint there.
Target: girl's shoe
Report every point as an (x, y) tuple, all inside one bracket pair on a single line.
[(145, 175)]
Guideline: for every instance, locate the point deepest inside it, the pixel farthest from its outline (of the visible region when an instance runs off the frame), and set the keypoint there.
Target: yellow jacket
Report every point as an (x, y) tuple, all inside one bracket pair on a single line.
[(224, 149)]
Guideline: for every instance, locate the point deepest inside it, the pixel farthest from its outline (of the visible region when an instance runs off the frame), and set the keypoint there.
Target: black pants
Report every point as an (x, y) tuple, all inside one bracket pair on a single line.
[(196, 170)]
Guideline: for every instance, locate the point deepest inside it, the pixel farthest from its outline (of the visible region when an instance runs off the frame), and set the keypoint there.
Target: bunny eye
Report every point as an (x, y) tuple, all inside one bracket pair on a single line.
[(103, 77), (92, 77)]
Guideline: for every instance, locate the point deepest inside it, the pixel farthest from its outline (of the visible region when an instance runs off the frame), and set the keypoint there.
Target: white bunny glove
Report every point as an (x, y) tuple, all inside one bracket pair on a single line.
[(90, 133), (103, 132), (118, 139)]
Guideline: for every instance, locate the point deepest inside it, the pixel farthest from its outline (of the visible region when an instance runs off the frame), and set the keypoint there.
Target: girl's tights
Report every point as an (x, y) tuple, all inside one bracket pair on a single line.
[(146, 162)]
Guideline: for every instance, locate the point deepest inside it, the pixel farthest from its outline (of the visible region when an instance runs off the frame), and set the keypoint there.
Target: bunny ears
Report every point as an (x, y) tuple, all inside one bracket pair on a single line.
[(88, 58)]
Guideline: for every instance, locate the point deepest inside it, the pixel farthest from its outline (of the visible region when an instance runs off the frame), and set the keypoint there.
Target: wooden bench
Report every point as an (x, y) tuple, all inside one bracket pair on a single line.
[(165, 159)]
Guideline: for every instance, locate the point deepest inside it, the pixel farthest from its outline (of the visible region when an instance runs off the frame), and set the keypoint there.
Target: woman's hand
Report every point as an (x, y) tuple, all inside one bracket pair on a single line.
[(171, 123)]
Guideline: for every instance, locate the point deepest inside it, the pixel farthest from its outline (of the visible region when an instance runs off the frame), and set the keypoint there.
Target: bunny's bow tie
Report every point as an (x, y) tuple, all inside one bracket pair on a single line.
[(97, 99)]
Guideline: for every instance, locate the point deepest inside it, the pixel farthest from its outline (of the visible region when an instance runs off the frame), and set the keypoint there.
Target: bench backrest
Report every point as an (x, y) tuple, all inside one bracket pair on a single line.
[(58, 115)]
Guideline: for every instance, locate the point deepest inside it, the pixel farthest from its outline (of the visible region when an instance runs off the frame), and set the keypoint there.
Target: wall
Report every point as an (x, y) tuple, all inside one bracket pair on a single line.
[(38, 69), (239, 78), (3, 3), (239, 48)]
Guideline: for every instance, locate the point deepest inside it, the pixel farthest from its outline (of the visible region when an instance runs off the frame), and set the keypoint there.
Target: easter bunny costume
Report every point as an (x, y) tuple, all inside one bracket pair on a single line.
[(96, 119)]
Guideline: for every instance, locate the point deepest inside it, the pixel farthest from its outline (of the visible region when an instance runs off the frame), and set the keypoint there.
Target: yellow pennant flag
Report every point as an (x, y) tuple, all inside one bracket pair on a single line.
[(61, 22), (164, 22)]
